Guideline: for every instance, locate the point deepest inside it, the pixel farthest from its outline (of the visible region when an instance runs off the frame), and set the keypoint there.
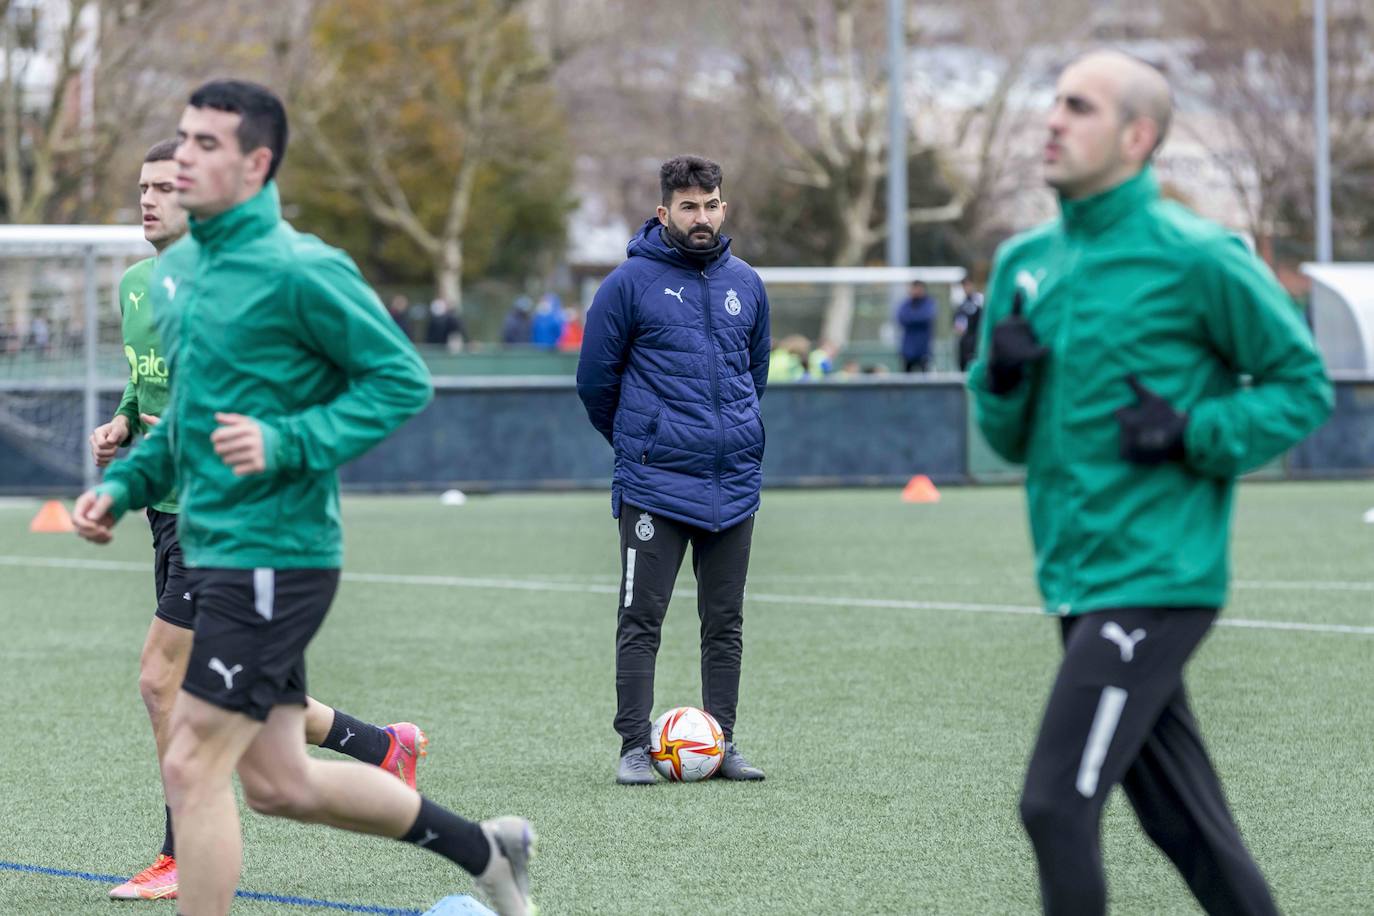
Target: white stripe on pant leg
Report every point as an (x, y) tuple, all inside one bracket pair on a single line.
[(1105, 720), (264, 591), (629, 575)]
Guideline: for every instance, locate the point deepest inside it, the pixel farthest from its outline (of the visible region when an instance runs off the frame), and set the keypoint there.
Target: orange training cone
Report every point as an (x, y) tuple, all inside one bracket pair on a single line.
[(919, 489), (53, 518)]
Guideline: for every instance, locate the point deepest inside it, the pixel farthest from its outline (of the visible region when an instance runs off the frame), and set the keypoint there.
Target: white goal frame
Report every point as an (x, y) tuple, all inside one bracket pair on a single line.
[(88, 243)]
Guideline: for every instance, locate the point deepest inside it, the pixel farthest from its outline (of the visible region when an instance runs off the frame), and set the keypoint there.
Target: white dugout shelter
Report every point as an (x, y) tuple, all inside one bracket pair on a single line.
[(1343, 315)]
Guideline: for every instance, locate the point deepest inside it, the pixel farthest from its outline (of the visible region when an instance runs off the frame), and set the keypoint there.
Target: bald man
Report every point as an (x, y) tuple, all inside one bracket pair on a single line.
[(1136, 359)]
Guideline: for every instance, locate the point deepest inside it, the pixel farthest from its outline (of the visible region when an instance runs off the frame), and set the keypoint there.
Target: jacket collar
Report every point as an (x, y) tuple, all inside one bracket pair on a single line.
[(1095, 215), (650, 243), (254, 217)]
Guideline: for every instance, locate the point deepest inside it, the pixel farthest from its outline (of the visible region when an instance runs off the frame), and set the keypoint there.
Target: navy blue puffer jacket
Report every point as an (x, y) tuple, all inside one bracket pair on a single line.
[(674, 360)]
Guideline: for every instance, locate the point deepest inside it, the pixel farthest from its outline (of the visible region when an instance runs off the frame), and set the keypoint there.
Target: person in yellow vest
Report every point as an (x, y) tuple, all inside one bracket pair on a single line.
[(787, 362)]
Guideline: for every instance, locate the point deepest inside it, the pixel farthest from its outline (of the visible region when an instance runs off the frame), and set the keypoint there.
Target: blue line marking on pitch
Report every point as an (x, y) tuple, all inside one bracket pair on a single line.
[(246, 895)]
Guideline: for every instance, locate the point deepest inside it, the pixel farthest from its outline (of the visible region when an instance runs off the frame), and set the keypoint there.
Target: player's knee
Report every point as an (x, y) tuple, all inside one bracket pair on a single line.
[(1167, 831), (268, 800), (179, 776), (291, 799), (638, 638), (1044, 815), (157, 684)]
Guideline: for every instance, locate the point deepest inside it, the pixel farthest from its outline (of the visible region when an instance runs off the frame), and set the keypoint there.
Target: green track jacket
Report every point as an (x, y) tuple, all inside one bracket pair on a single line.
[(1126, 283), (260, 320), (149, 379)]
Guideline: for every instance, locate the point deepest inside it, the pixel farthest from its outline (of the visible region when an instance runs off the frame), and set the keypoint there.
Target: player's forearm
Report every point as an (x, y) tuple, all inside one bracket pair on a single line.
[(329, 435), (128, 409), (146, 476), (1003, 419), (1231, 435), (601, 403)]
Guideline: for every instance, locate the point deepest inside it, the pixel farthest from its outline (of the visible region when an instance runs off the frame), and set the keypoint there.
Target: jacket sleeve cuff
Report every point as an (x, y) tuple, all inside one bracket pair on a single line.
[(1207, 449), (278, 450), (119, 496), (1002, 410)]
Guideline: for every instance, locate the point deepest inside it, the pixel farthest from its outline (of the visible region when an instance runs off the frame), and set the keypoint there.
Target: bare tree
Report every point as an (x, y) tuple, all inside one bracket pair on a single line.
[(814, 76), (1252, 76), (80, 79), (1013, 51)]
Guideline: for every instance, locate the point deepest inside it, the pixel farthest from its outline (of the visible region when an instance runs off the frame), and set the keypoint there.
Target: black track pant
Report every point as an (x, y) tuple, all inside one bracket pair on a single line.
[(651, 552), (1118, 713)]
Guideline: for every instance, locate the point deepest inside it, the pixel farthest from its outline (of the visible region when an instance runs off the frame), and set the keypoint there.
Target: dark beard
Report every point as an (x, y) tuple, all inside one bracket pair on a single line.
[(683, 245), (683, 240)]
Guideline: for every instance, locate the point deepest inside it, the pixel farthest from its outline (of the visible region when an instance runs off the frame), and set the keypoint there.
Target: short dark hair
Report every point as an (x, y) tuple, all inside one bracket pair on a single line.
[(683, 172), (161, 151), (263, 115)]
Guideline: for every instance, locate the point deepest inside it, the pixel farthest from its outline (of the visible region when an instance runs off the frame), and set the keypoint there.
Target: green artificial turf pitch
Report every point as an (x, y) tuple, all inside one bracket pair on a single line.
[(893, 680)]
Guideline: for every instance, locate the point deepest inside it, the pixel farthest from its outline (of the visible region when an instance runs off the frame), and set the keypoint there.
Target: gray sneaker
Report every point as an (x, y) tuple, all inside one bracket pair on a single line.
[(506, 881), (734, 766), (635, 769)]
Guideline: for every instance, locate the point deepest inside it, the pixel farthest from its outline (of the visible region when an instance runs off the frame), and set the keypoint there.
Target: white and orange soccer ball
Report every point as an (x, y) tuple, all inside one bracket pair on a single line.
[(686, 744)]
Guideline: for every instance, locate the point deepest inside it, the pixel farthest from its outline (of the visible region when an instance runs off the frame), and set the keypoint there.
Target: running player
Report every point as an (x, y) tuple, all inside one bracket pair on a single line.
[(286, 366), (1136, 359), (396, 748)]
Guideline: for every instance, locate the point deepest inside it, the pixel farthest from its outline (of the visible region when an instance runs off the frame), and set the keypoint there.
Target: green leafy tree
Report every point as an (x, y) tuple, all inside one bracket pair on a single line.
[(432, 139)]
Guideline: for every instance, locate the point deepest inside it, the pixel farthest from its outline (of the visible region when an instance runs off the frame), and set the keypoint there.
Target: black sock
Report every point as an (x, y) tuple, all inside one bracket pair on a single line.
[(359, 740), (460, 841), (167, 847)]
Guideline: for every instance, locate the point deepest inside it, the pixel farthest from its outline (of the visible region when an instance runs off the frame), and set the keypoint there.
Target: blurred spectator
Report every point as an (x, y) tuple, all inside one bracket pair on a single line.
[(820, 362), (40, 335), (916, 319), (515, 329), (966, 319), (547, 325), (399, 310), (445, 326), (73, 334), (570, 341), (787, 363), (419, 318)]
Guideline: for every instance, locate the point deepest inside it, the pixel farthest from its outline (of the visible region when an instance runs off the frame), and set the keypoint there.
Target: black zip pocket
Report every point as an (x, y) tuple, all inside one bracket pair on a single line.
[(649, 439)]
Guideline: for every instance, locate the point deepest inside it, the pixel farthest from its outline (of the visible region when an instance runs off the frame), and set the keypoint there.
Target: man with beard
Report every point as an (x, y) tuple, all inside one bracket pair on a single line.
[(674, 361)]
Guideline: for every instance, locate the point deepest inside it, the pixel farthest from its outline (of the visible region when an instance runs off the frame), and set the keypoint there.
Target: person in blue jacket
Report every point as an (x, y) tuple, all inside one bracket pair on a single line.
[(916, 316), (673, 363)]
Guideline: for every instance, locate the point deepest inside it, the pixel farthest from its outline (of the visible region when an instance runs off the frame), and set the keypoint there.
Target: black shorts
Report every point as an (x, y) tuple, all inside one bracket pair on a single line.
[(252, 627), (174, 603)]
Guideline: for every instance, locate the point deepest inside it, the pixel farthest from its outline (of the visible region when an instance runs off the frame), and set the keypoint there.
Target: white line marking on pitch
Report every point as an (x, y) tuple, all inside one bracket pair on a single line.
[(536, 585), (1277, 585)]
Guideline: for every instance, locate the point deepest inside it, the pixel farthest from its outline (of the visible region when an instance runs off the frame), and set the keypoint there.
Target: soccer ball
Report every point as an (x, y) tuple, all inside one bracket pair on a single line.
[(686, 744)]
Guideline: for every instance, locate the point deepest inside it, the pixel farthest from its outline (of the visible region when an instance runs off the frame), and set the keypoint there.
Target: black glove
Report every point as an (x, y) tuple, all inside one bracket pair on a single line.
[(1151, 431), (1013, 348)]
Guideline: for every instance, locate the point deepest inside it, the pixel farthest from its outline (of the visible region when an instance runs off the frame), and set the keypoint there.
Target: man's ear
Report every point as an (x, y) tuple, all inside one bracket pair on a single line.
[(259, 163), (1141, 136), (663, 214)]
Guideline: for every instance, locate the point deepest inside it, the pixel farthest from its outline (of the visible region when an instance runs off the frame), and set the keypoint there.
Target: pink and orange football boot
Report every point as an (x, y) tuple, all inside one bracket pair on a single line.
[(408, 745), (156, 882)]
